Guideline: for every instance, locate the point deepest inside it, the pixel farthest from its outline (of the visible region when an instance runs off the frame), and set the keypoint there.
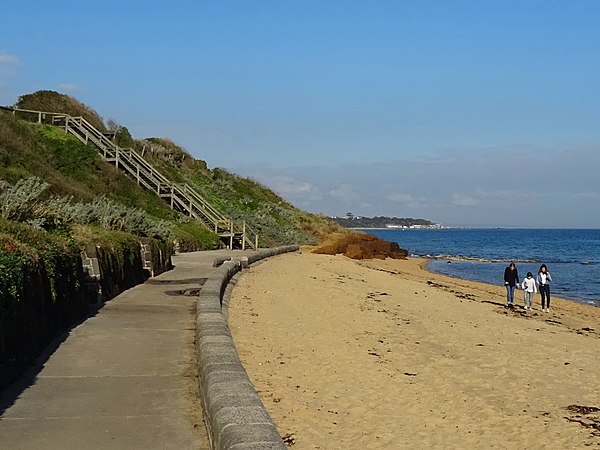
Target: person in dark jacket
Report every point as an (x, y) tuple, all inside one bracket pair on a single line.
[(511, 279)]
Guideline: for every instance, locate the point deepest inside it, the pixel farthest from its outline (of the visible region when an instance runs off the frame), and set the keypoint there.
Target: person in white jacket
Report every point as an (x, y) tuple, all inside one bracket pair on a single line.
[(529, 288)]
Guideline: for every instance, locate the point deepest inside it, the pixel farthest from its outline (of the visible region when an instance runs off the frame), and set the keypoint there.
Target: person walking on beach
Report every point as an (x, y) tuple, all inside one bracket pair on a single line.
[(529, 288), (511, 279), (543, 280)]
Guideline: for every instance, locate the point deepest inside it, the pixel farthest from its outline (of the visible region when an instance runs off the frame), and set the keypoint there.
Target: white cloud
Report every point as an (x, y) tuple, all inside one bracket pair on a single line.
[(293, 187), (8, 60), (506, 197), (399, 197), (499, 194), (298, 192), (408, 200), (486, 191), (588, 195), (344, 193), (464, 200)]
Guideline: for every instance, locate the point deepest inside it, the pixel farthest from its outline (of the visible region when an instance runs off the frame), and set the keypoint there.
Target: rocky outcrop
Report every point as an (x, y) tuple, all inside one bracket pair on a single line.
[(361, 246)]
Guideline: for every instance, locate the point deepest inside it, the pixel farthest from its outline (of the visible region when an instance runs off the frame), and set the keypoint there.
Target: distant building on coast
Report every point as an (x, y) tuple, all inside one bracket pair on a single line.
[(414, 227)]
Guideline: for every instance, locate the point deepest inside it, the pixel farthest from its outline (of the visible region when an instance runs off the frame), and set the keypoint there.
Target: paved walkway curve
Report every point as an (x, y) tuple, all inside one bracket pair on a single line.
[(123, 379)]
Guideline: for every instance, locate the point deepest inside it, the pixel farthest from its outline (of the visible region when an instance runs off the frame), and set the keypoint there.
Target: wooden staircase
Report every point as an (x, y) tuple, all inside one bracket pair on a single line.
[(181, 197)]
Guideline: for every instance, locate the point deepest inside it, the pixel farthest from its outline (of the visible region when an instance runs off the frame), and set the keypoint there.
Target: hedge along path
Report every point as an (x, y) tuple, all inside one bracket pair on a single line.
[(235, 416)]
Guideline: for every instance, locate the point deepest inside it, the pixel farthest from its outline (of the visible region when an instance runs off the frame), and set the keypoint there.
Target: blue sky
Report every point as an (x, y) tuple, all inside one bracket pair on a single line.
[(481, 112)]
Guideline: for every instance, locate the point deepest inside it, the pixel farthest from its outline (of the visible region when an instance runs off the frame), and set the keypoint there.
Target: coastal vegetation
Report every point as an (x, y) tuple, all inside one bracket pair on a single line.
[(62, 204), (75, 170)]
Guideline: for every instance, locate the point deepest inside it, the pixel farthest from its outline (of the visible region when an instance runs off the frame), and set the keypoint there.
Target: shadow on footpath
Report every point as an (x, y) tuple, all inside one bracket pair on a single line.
[(10, 394)]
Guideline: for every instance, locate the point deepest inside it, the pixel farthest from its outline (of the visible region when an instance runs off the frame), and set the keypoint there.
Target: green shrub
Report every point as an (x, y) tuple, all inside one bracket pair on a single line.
[(23, 201), (122, 136), (11, 278), (72, 158), (52, 101), (190, 236), (112, 216)]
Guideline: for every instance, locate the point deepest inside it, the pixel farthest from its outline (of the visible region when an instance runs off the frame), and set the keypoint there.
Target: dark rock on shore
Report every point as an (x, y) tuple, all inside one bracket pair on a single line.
[(361, 246)]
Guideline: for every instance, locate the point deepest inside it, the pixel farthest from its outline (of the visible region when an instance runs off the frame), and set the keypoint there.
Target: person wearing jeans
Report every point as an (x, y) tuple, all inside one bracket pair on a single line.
[(511, 279), (543, 280), (529, 288)]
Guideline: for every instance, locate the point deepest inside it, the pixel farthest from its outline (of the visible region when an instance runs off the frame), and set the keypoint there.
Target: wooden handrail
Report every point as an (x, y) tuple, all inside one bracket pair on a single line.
[(136, 165)]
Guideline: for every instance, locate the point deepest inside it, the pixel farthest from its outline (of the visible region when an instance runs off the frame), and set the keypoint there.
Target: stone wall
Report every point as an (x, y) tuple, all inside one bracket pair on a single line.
[(234, 414), (40, 301), (47, 302)]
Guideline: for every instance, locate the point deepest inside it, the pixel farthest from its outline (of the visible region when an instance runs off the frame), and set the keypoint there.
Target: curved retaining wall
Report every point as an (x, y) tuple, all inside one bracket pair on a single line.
[(234, 414)]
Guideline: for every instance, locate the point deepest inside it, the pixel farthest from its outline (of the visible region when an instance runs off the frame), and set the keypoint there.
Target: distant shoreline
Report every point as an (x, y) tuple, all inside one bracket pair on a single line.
[(404, 229), (426, 261), (475, 227), (478, 254)]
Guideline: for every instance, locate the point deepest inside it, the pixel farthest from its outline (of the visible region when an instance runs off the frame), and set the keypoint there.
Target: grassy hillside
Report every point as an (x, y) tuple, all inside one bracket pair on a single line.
[(75, 170), (277, 221), (61, 204)]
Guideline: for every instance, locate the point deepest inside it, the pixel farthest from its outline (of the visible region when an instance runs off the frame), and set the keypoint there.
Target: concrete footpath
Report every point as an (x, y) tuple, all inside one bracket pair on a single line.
[(123, 379)]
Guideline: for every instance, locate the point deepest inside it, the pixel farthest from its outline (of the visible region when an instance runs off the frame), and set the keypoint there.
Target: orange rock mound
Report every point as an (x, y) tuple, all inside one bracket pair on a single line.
[(360, 246)]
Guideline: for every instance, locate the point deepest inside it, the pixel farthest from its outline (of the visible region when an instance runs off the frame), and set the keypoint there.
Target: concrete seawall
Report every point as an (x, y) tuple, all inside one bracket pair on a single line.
[(234, 414)]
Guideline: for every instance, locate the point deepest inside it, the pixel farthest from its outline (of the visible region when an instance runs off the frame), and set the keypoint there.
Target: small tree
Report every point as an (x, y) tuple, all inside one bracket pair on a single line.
[(122, 135)]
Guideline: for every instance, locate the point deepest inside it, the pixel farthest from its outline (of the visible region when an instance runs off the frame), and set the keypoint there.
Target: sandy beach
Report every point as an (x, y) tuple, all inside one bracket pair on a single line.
[(379, 354)]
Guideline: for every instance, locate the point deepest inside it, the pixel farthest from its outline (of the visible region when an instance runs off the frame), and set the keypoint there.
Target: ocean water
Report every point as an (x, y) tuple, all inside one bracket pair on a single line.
[(481, 254)]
